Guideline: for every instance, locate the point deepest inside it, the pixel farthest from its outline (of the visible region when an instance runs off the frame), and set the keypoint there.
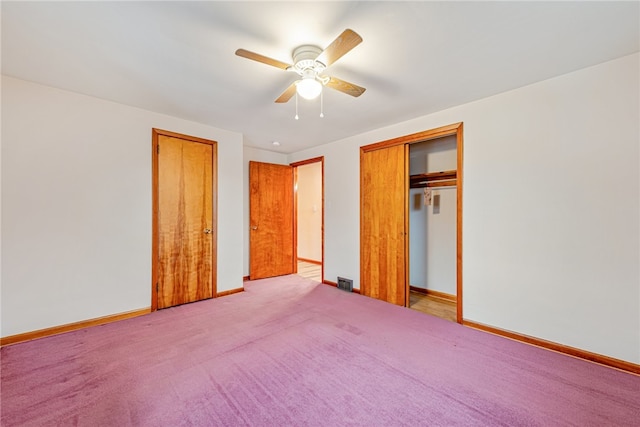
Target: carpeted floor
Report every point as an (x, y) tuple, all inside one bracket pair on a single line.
[(290, 351)]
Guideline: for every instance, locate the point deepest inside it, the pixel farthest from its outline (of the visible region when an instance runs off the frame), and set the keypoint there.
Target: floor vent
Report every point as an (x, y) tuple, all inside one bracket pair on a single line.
[(345, 284)]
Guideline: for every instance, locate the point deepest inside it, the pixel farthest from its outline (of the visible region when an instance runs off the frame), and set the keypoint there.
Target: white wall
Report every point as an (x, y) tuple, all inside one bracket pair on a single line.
[(309, 195), (432, 228), (256, 155), (76, 206), (551, 206), (551, 201), (341, 207)]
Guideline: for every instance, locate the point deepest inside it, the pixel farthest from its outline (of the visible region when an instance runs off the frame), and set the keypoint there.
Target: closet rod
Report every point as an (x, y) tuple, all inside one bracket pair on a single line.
[(434, 176), (443, 183)]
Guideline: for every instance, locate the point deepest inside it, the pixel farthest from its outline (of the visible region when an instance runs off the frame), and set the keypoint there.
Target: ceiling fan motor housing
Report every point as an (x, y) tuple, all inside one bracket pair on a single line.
[(304, 58)]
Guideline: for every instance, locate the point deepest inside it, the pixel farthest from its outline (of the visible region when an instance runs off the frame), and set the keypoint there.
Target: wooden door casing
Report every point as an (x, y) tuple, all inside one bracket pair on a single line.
[(271, 213), (383, 224), (184, 220)]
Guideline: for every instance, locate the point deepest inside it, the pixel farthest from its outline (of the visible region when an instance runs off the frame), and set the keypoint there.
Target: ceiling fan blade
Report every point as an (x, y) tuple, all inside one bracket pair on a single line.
[(341, 45), (345, 87), (287, 94), (261, 58)]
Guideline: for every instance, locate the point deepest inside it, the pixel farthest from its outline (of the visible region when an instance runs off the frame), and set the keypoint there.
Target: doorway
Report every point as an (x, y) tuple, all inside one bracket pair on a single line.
[(184, 219), (309, 217), (432, 227), (282, 200)]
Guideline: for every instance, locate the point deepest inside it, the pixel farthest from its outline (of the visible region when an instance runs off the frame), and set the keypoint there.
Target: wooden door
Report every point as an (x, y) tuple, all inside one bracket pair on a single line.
[(383, 224), (271, 233), (186, 236)]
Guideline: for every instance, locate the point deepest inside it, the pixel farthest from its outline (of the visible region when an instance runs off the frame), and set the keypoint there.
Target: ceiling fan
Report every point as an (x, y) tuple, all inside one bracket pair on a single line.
[(309, 62)]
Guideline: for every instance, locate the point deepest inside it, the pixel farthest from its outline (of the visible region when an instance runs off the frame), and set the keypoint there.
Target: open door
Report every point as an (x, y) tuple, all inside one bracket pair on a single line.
[(271, 234)]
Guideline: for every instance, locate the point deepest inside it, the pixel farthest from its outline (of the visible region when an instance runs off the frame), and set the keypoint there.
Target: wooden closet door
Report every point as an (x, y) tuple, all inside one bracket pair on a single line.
[(383, 224)]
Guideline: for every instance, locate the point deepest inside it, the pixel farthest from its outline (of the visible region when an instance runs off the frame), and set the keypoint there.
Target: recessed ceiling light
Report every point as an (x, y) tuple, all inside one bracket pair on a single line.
[(276, 143)]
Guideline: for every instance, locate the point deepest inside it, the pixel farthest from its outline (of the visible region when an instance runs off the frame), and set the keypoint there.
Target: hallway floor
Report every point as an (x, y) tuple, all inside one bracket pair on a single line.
[(310, 270)]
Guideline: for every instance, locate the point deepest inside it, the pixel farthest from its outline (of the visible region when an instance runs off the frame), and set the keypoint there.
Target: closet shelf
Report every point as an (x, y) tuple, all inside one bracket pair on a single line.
[(433, 179)]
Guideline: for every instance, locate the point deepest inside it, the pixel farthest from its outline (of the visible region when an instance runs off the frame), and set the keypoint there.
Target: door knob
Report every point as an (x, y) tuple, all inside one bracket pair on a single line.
[(254, 227), (207, 231)]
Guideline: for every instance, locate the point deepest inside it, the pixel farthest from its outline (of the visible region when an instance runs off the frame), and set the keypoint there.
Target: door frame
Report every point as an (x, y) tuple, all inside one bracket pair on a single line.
[(295, 165), (155, 244), (453, 129)]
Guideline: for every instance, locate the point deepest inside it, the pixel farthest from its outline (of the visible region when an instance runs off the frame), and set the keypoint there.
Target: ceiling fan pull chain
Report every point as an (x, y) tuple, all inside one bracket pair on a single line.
[(296, 106), (321, 105)]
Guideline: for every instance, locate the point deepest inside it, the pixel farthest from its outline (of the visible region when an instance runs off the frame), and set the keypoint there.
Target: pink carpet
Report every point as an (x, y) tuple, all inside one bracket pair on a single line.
[(291, 352)]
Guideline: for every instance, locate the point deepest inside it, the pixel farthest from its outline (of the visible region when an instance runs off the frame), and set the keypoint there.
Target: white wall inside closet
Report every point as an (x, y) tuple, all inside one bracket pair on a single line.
[(432, 228)]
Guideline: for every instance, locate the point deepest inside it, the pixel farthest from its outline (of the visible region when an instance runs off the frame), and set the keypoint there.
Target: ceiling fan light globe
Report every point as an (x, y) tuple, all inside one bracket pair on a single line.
[(309, 88)]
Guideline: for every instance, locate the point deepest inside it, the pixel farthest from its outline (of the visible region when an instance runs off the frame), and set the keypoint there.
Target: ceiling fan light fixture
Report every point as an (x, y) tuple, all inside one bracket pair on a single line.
[(310, 62), (309, 88)]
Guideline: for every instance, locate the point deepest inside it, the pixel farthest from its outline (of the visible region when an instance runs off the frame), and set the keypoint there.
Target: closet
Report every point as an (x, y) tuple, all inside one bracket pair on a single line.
[(386, 202)]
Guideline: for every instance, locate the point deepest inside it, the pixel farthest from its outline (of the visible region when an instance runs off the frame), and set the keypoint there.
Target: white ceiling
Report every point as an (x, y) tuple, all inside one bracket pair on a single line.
[(177, 58)]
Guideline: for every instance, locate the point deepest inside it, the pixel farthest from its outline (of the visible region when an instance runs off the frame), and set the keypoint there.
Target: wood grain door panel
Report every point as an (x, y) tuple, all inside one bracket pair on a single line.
[(271, 232), (185, 221), (383, 224)]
